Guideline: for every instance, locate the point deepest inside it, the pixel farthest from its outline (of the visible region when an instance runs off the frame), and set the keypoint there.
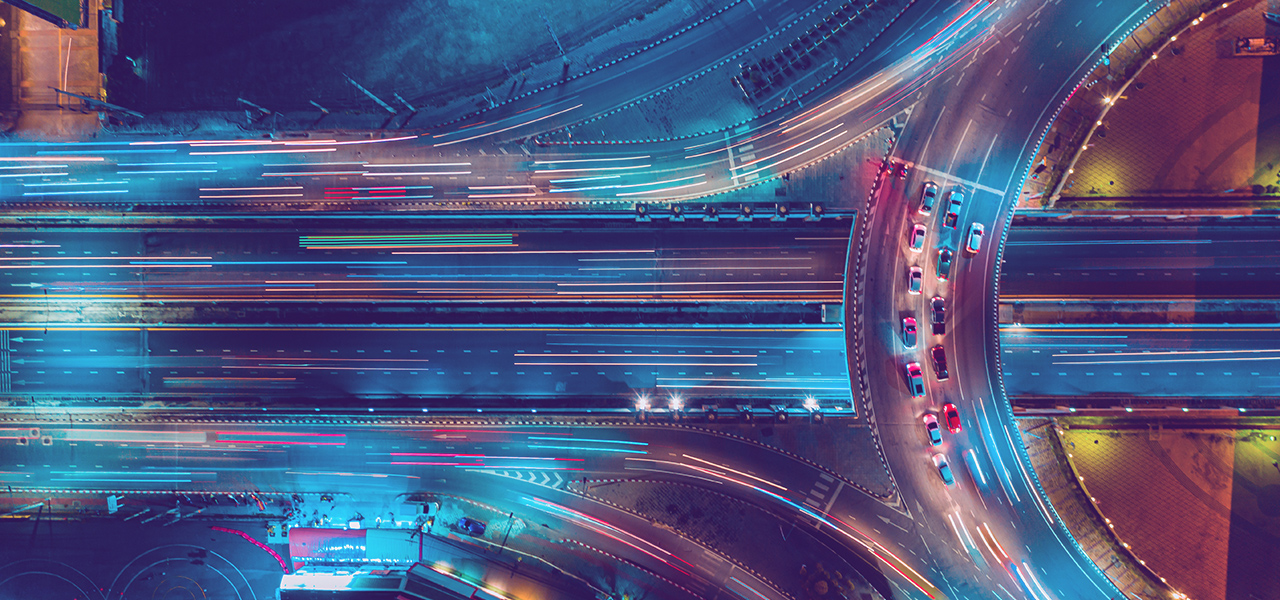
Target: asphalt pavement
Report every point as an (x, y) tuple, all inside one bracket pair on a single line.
[(467, 367), (1191, 365), (1081, 260)]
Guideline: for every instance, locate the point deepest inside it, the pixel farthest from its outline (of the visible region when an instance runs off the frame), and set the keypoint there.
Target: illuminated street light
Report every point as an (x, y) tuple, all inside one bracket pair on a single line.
[(642, 402), (676, 402), (810, 403)]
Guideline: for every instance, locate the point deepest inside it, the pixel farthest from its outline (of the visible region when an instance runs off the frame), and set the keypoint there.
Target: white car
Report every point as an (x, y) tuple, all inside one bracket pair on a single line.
[(975, 238), (918, 234), (915, 281)]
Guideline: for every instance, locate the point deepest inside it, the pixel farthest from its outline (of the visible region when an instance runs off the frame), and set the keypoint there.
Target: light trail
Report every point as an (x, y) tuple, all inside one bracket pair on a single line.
[(546, 171), (315, 164), (255, 196), (584, 160), (598, 441), (623, 186), (414, 174), (75, 183), (543, 252), (617, 450), (253, 189), (533, 355), (165, 172), (638, 364), (407, 165), (661, 191), (480, 135), (52, 159), (312, 173), (76, 193), (164, 164), (229, 152), (736, 472)]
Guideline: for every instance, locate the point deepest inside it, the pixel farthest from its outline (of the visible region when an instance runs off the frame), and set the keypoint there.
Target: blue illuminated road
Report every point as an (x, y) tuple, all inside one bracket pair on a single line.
[(441, 367), (1195, 364), (585, 261), (1084, 260)]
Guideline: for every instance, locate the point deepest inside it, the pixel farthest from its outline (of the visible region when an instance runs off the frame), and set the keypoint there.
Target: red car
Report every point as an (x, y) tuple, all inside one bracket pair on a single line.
[(952, 416)]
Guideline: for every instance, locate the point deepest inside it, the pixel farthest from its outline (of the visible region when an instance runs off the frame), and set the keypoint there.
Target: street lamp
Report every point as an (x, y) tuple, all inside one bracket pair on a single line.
[(676, 403)]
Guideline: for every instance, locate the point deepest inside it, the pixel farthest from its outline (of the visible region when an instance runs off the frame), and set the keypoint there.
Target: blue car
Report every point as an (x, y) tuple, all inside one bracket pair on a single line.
[(471, 526), (944, 468)]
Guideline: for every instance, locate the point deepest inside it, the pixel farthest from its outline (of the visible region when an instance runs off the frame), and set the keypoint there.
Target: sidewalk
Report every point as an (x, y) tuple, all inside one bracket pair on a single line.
[(1128, 137), (1070, 502), (1189, 120), (45, 57), (1195, 501)]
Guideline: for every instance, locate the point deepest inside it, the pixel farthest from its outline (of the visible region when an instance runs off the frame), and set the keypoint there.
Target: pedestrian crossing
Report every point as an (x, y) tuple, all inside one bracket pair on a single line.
[(823, 493)]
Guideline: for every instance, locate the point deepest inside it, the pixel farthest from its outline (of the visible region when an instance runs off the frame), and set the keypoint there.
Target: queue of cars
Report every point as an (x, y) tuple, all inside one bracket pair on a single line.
[(949, 415)]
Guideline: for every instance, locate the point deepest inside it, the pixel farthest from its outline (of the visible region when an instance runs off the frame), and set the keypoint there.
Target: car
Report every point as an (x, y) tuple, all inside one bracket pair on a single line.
[(939, 355), (952, 416), (472, 526), (928, 198), (915, 380), (953, 209), (931, 427), (975, 238), (944, 468), (971, 460), (944, 264), (909, 332), (938, 315), (915, 280), (918, 234)]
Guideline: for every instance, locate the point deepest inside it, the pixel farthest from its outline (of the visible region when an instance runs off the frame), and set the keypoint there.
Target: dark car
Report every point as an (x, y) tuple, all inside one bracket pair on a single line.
[(944, 264), (938, 315), (953, 209), (939, 355), (472, 526)]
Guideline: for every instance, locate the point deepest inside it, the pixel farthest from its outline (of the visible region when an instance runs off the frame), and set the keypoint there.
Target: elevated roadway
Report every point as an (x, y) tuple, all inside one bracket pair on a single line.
[(1079, 260)]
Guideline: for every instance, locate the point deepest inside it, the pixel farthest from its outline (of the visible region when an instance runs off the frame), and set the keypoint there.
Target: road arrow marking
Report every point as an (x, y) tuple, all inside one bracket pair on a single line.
[(890, 521)]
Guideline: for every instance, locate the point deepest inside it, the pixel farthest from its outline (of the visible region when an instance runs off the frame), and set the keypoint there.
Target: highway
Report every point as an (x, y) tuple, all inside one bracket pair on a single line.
[(1081, 260), (600, 263), (553, 367), (1195, 364)]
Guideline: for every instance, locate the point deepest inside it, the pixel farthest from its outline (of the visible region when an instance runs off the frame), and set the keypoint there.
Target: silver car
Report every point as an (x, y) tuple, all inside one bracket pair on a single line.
[(975, 238), (928, 198)]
